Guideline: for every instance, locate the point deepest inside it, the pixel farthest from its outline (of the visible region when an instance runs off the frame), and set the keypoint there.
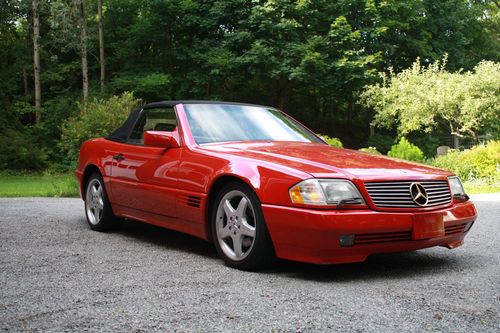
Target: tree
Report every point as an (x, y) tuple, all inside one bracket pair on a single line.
[(311, 58), (69, 33), (420, 98), (36, 60), (83, 48), (101, 44)]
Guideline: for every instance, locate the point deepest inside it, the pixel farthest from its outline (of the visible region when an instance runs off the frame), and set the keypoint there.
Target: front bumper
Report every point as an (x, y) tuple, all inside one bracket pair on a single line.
[(313, 236)]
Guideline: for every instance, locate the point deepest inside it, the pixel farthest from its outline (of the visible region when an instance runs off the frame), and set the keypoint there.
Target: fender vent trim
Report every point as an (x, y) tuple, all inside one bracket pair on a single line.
[(193, 201)]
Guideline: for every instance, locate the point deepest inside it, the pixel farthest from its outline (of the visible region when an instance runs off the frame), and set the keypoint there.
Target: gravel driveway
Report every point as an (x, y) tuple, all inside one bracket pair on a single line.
[(58, 275)]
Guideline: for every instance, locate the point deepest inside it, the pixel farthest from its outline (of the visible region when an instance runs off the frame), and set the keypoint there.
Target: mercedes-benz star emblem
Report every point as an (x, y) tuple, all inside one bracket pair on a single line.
[(419, 194)]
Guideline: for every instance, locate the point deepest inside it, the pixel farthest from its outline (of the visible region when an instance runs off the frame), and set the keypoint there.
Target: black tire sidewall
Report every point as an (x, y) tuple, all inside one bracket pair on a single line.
[(262, 251), (107, 221)]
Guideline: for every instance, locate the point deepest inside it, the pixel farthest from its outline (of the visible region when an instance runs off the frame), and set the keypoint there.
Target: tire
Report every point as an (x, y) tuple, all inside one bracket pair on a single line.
[(239, 231), (97, 207)]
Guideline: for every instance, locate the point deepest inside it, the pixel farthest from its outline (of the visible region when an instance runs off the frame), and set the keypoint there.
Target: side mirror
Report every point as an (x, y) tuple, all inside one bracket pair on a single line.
[(161, 139)]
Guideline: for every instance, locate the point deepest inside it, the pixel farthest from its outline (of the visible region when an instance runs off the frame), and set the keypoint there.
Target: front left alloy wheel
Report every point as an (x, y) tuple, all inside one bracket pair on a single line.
[(238, 228)]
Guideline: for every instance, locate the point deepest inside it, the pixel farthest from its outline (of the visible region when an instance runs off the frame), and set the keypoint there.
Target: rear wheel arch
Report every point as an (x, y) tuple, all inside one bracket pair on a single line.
[(98, 210), (89, 170)]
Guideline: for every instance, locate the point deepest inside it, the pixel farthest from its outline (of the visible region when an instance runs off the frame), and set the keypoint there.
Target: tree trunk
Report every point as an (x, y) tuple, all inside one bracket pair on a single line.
[(282, 92), (350, 110), (454, 136), (101, 43), (25, 82), (36, 60), (83, 41), (456, 141)]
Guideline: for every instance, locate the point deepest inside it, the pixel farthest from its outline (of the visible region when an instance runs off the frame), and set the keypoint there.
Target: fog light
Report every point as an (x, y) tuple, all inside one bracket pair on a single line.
[(346, 240)]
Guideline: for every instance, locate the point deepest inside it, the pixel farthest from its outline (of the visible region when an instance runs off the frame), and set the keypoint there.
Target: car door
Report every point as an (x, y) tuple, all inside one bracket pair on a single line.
[(144, 178)]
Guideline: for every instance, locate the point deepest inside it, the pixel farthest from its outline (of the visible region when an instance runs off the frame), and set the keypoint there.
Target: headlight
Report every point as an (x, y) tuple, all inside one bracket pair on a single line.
[(322, 192), (456, 187)]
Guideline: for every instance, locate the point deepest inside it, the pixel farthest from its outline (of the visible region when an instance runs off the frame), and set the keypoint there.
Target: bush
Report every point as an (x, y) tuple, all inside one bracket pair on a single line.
[(381, 142), (479, 162), (97, 118), (427, 142), (370, 150), (334, 142), (20, 150), (407, 151)]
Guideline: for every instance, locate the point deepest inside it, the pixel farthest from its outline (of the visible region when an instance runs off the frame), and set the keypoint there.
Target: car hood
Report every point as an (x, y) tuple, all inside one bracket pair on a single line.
[(321, 160)]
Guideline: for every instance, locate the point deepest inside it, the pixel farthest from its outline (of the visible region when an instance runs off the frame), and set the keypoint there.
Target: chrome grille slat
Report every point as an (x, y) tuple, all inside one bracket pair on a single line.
[(397, 194), (439, 195), (440, 200), (439, 192), (390, 198)]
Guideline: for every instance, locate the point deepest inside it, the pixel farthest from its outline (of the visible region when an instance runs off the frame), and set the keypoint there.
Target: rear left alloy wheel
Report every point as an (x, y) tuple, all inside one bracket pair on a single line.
[(239, 230), (97, 208)]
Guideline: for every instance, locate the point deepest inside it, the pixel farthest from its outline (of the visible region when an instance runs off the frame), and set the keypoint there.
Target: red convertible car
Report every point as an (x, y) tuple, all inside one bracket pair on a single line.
[(260, 185)]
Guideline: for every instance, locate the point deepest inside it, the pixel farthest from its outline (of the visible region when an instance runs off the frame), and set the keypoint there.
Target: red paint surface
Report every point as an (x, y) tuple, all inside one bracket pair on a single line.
[(160, 186)]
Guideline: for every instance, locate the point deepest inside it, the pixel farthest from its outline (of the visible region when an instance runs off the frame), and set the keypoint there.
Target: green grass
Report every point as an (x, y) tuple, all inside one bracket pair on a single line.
[(65, 185), (38, 185), (479, 186)]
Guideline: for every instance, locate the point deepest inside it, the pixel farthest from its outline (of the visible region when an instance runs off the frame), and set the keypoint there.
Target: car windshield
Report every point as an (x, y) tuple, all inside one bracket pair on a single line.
[(211, 123)]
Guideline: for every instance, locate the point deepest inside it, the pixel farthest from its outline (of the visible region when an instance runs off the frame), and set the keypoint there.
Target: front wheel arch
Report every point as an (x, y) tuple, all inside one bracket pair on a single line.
[(215, 188), (263, 252)]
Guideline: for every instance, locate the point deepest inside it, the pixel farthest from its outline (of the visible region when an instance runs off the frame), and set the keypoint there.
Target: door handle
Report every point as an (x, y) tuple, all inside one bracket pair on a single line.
[(119, 157)]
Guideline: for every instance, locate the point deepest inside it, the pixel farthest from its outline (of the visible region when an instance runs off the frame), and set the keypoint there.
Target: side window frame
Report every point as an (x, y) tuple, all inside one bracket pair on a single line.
[(142, 116)]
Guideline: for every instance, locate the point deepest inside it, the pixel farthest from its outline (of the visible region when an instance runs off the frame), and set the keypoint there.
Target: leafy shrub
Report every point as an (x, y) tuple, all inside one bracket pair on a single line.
[(334, 142), (481, 161), (20, 150), (381, 142), (427, 142), (407, 151), (97, 118), (370, 150)]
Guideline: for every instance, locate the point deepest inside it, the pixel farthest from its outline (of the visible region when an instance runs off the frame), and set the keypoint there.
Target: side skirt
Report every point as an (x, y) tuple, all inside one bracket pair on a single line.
[(168, 222)]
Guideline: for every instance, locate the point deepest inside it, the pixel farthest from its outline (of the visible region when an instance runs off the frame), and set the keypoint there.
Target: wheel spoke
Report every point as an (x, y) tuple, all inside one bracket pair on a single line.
[(224, 232), (237, 245), (228, 209), (94, 189), (97, 213), (100, 204), (242, 207), (246, 229), (99, 191)]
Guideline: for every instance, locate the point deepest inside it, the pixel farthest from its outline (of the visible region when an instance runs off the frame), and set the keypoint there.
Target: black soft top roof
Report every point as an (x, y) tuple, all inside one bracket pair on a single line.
[(122, 133), (169, 104)]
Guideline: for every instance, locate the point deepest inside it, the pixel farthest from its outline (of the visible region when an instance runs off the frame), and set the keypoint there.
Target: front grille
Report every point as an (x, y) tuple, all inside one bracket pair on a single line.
[(455, 229), (396, 194), (385, 237), (401, 236)]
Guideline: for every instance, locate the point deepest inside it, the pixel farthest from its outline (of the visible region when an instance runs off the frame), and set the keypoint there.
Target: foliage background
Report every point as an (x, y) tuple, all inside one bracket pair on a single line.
[(311, 58)]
